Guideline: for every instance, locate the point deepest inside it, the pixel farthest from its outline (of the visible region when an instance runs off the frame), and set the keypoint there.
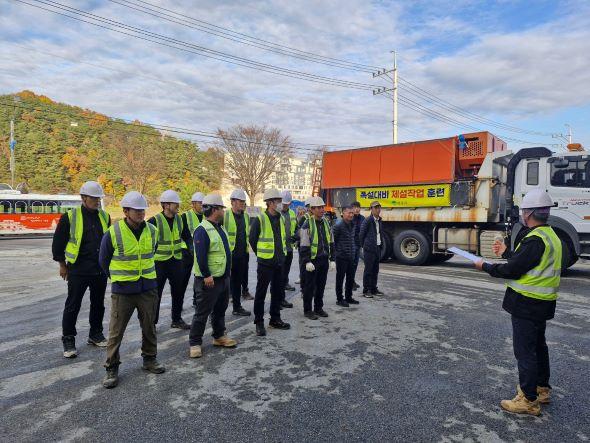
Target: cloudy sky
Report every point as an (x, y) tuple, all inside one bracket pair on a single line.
[(520, 69)]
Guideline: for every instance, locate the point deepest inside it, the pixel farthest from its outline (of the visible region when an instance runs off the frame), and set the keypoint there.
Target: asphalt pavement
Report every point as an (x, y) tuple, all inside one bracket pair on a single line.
[(429, 361)]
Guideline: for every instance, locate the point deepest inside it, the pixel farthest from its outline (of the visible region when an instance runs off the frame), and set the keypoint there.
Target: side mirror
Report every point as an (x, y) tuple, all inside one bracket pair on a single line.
[(561, 163)]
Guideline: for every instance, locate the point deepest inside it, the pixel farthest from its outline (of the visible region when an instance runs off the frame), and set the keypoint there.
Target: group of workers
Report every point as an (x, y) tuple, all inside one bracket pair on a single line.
[(212, 245)]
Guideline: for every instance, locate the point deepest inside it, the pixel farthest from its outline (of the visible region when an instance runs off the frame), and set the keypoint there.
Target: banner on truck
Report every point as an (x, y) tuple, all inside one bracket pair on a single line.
[(417, 196)]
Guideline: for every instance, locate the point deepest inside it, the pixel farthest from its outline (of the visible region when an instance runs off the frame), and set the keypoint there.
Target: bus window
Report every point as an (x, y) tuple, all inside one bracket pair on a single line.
[(20, 207), (65, 206), (51, 208), (37, 207), (5, 207), (532, 173)]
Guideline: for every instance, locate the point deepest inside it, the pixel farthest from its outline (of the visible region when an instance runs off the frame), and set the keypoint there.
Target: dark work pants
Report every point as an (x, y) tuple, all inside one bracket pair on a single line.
[(77, 285), (210, 302), (287, 267), (357, 256), (173, 271), (187, 267), (315, 283), (532, 355), (371, 272), (344, 270), (245, 275), (122, 308), (273, 276), (239, 267)]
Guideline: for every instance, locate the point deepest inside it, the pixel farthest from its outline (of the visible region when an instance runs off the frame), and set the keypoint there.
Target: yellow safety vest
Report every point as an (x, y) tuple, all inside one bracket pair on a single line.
[(132, 259), (542, 282), (216, 257), (193, 220), (229, 222), (169, 243), (265, 247), (292, 219), (314, 235), (76, 230)]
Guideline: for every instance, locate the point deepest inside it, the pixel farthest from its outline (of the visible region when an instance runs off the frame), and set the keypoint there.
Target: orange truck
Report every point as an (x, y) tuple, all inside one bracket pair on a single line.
[(459, 191)]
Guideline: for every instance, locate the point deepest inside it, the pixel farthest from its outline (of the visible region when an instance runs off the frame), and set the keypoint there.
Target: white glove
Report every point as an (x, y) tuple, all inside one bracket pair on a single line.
[(309, 267), (332, 265)]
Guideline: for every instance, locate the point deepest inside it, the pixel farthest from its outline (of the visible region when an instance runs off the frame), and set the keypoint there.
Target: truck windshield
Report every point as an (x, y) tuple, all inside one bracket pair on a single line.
[(575, 175)]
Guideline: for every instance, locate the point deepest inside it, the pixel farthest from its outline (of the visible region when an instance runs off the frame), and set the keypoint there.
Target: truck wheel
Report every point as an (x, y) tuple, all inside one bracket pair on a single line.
[(411, 248), (387, 246)]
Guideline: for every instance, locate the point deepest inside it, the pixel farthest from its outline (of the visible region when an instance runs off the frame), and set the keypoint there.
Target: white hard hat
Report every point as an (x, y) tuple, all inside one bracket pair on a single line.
[(238, 194), (170, 196), (287, 197), (307, 200), (213, 200), (134, 200), (92, 189), (197, 197), (536, 198), (272, 194), (316, 201)]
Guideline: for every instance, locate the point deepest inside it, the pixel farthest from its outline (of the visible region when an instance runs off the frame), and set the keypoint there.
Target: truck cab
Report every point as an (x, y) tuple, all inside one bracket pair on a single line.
[(566, 177)]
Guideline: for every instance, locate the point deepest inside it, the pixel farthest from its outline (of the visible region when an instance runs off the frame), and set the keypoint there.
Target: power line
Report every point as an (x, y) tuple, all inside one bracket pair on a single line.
[(209, 28), (162, 40), (413, 88), (313, 147)]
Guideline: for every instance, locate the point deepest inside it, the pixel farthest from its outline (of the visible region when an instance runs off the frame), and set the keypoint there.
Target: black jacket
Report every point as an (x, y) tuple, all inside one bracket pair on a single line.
[(519, 263), (275, 222), (368, 234), (344, 242), (357, 222), (87, 262)]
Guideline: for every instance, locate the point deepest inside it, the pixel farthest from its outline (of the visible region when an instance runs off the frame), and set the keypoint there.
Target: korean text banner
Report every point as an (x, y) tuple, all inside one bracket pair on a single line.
[(406, 196)]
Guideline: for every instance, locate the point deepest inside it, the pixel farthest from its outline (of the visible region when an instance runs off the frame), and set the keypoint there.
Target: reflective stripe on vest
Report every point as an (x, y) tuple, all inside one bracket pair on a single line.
[(265, 247), (542, 282), (216, 257), (132, 259), (77, 229), (193, 220), (314, 236), (169, 243), (229, 222)]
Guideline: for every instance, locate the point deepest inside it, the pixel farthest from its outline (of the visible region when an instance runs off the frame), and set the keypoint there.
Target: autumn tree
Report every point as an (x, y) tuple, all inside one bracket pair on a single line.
[(252, 154)]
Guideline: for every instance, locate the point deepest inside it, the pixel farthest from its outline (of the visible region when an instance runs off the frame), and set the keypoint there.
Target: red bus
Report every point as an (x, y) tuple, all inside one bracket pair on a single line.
[(22, 214)]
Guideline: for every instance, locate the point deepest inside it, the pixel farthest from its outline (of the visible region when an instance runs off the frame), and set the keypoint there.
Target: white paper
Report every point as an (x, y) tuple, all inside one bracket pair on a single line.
[(465, 254)]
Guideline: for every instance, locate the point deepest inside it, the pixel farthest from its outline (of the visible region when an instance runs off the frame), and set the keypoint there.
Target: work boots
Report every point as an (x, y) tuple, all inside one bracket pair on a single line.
[(98, 340), (69, 342), (180, 324), (246, 295), (260, 329), (521, 405), (225, 342), (195, 351), (544, 394), (241, 312), (111, 380), (150, 364)]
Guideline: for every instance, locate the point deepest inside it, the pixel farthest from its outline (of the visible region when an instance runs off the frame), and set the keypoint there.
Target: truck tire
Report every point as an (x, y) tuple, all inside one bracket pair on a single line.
[(411, 248)]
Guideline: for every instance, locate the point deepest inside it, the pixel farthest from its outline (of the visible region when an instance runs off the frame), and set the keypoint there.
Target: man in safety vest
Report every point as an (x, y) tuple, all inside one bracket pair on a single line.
[(212, 270), (127, 255), (268, 240), (316, 257), (304, 216), (291, 229), (76, 242), (237, 225), (534, 270), (172, 247), (191, 219)]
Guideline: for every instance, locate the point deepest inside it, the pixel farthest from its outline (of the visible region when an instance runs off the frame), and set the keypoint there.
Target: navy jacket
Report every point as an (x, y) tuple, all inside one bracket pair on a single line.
[(344, 243), (368, 234)]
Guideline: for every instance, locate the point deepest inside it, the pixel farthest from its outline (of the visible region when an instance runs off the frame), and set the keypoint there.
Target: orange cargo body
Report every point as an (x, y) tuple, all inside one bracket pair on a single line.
[(430, 161)]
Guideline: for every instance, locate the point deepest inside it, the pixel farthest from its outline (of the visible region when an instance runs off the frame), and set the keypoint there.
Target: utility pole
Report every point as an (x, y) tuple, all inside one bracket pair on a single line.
[(392, 90), (12, 145), (569, 134)]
